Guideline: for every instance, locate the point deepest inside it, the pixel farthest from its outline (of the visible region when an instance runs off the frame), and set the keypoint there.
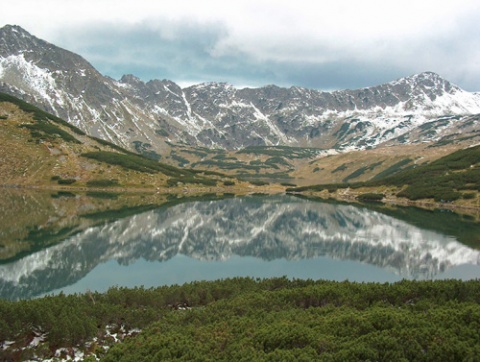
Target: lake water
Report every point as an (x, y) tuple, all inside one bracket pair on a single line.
[(74, 243)]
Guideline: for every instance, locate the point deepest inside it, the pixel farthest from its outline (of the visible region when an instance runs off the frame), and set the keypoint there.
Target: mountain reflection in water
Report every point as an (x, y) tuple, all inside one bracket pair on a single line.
[(264, 229)]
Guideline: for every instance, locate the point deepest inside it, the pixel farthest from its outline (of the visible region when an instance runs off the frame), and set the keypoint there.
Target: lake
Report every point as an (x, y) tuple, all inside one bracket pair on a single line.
[(53, 242)]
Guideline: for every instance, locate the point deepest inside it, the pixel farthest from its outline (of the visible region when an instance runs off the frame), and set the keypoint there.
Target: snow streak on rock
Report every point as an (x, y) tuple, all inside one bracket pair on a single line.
[(217, 114)]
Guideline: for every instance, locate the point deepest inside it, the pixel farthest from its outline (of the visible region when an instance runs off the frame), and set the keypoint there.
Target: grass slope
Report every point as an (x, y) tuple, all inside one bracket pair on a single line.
[(444, 179), (447, 179), (40, 149)]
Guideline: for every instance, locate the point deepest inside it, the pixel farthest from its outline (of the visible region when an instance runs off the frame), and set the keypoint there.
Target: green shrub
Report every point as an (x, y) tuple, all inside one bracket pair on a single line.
[(110, 144), (162, 132), (67, 181), (370, 197), (60, 194), (108, 195), (270, 319), (397, 167), (259, 183), (273, 161), (361, 171), (281, 151), (174, 181), (182, 161), (228, 183), (43, 129), (102, 183), (342, 167), (136, 162), (447, 196), (469, 195)]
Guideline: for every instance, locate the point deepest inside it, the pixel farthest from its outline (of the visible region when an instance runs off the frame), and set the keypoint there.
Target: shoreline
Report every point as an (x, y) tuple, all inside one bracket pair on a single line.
[(240, 189), (345, 195)]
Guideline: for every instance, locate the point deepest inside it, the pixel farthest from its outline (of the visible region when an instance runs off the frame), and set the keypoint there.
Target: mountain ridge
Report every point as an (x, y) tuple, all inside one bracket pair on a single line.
[(152, 115)]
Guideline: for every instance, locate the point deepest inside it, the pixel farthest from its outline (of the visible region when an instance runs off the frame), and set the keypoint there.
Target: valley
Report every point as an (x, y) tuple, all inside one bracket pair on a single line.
[(123, 200), (52, 154), (65, 127)]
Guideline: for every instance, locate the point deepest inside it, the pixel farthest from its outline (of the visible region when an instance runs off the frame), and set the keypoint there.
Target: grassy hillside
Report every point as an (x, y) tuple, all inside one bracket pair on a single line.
[(273, 163), (452, 178), (47, 146), (359, 166), (39, 149), (243, 319), (447, 179)]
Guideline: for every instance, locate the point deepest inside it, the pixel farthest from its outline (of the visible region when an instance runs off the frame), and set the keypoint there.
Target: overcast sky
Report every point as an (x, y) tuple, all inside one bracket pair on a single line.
[(329, 44)]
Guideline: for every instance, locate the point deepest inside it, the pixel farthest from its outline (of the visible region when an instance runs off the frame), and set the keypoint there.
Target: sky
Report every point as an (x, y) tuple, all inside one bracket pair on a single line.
[(320, 44)]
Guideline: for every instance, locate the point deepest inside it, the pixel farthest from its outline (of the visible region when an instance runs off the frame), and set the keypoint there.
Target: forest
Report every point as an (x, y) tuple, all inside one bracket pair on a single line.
[(252, 319)]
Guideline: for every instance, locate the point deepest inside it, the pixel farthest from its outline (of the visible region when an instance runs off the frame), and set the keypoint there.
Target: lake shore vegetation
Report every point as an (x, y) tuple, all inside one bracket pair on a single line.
[(248, 319)]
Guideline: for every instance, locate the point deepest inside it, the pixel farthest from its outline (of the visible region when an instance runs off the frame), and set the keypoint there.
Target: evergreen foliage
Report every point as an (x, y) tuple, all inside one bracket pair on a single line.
[(281, 151), (49, 131), (102, 183), (270, 319), (38, 114), (135, 162), (442, 179), (112, 145), (258, 182), (370, 197), (66, 181), (389, 171), (359, 172), (445, 179)]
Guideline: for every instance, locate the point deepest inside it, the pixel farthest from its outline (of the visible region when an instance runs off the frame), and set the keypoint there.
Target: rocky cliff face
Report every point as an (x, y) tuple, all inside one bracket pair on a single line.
[(130, 111)]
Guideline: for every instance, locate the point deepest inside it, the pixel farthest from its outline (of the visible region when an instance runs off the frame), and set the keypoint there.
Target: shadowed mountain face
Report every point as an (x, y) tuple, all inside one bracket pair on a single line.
[(266, 228), (217, 114)]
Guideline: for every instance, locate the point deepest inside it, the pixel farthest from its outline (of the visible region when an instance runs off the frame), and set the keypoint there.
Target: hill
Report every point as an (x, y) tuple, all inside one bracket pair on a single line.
[(39, 149), (451, 179)]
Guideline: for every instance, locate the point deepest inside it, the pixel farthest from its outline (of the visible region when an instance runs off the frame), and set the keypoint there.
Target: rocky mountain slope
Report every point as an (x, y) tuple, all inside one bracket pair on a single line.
[(150, 116)]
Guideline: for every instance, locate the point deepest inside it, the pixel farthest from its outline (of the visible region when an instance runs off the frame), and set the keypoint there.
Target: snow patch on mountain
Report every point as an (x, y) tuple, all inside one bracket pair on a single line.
[(39, 81), (218, 114)]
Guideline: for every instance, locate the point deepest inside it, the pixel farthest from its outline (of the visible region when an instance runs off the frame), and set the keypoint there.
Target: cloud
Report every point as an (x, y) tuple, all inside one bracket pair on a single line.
[(149, 49), (324, 44)]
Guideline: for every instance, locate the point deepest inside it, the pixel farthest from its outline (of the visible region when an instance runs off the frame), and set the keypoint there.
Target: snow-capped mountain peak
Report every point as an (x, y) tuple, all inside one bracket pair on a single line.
[(132, 112)]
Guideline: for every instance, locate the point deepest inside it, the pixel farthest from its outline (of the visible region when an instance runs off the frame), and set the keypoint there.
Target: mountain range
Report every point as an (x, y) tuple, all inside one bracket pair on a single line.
[(151, 117)]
